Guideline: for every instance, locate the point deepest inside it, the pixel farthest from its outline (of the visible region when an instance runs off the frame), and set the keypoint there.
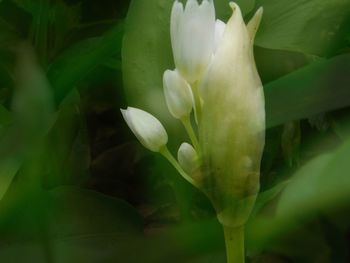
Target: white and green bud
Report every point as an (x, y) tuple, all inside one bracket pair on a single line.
[(232, 128), (192, 37), (178, 94), (188, 158), (148, 129)]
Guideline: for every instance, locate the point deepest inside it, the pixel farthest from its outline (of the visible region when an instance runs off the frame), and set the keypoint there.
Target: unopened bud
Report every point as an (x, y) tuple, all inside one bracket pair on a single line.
[(148, 129), (178, 94), (188, 158)]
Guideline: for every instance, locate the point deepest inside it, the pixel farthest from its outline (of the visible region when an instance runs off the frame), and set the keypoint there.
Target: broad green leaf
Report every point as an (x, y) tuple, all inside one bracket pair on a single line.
[(303, 190), (334, 182), (320, 87), (273, 64), (82, 226), (78, 61), (311, 26), (146, 54), (223, 11), (322, 184)]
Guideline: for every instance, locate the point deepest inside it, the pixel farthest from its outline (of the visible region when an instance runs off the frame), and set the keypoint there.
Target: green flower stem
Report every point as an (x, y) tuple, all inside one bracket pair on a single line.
[(197, 102), (165, 152), (234, 240), (189, 129)]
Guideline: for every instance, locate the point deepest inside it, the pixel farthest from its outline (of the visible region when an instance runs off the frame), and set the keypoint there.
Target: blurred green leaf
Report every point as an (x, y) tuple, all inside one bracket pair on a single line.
[(32, 102), (341, 124), (23, 252), (63, 19), (32, 114), (303, 190), (273, 64), (83, 226), (223, 11), (290, 142), (29, 6), (8, 169), (79, 212), (51, 21), (7, 33), (146, 54), (320, 87), (310, 27), (79, 60), (305, 244), (69, 162), (267, 196), (322, 184), (5, 116)]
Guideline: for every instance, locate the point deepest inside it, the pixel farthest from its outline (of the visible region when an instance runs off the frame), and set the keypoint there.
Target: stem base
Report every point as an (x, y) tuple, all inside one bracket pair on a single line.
[(234, 240)]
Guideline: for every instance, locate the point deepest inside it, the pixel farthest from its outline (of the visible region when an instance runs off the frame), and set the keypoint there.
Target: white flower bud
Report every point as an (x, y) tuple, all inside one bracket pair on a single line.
[(233, 122), (178, 94), (192, 37), (188, 158), (148, 129)]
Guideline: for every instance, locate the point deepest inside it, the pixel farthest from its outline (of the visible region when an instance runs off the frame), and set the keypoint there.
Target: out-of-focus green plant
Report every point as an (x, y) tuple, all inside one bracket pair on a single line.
[(51, 155)]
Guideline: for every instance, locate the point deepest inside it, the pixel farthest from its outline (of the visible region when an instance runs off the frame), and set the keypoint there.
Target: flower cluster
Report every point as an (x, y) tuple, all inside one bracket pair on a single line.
[(216, 76)]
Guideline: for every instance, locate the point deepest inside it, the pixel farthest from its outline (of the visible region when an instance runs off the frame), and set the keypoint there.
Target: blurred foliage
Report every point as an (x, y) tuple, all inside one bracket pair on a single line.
[(76, 187), (316, 27)]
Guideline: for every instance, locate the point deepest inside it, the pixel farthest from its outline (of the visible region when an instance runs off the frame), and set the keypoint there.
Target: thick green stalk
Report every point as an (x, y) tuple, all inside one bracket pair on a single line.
[(234, 240)]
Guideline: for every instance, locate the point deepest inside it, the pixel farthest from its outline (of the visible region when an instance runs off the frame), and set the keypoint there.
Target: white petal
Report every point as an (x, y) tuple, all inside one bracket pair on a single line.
[(195, 39), (219, 32), (175, 22), (191, 7), (178, 94), (148, 130), (254, 23), (234, 42)]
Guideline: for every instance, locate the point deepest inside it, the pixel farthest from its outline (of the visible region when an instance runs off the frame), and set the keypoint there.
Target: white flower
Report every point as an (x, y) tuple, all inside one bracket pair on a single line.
[(188, 158), (192, 37), (148, 130), (178, 94), (233, 121)]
